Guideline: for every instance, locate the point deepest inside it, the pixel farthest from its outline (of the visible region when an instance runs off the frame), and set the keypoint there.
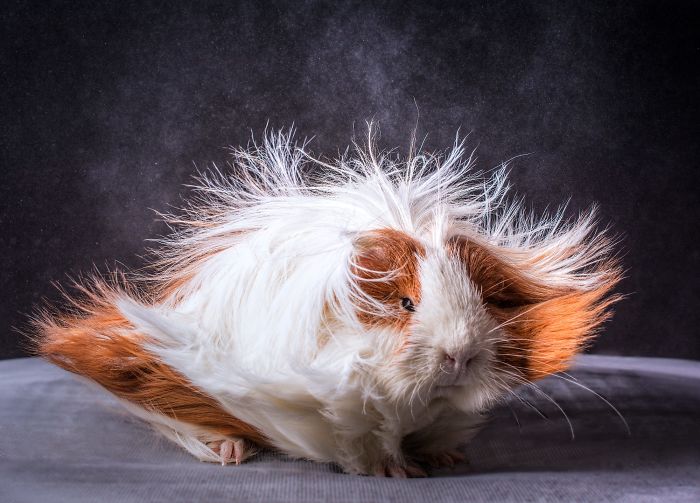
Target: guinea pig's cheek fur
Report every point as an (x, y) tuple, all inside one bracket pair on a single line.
[(441, 328), (385, 268)]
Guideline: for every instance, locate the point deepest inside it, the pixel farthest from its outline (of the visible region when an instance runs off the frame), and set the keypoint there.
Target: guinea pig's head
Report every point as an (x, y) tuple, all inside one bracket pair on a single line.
[(469, 321)]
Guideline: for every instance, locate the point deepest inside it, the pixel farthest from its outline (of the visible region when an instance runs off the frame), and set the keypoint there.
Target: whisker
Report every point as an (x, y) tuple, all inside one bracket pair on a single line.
[(573, 380), (619, 414), (536, 359), (522, 400), (515, 416), (545, 395)]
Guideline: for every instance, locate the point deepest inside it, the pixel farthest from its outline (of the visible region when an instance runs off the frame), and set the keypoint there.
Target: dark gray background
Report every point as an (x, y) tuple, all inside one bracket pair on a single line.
[(106, 108)]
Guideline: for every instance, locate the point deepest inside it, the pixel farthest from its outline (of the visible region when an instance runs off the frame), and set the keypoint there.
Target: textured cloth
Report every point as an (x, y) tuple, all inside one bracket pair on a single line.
[(64, 440)]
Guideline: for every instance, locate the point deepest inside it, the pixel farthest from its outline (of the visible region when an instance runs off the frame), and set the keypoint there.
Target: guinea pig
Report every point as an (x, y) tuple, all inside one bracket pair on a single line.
[(367, 311)]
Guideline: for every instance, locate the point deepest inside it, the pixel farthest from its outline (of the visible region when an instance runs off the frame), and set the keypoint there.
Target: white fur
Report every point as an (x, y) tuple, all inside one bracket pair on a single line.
[(268, 246)]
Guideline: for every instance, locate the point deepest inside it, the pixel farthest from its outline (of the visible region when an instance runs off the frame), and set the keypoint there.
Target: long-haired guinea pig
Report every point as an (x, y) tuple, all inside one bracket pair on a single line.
[(366, 311)]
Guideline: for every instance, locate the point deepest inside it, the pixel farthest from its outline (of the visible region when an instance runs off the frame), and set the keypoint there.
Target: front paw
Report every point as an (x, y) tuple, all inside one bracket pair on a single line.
[(232, 450), (392, 468), (445, 459)]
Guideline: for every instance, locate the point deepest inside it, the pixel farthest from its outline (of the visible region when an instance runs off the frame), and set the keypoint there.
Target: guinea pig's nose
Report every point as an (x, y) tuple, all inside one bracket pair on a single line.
[(450, 361), (456, 362)]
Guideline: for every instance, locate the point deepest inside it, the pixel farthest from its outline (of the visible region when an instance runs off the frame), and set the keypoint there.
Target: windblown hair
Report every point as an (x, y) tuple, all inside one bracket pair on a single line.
[(297, 300)]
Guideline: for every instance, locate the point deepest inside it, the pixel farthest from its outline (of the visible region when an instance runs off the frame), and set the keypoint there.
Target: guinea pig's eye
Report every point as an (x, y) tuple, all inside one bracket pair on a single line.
[(503, 303), (407, 304)]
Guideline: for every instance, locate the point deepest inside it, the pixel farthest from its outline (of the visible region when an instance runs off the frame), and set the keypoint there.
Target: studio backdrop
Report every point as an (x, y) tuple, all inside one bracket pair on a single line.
[(110, 108)]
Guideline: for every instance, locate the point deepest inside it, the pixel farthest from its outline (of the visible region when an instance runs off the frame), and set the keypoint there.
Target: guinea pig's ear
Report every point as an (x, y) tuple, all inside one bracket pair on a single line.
[(384, 268), (547, 321), (559, 328)]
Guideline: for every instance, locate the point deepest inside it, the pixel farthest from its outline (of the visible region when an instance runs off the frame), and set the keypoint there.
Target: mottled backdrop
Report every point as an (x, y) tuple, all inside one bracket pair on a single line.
[(108, 108)]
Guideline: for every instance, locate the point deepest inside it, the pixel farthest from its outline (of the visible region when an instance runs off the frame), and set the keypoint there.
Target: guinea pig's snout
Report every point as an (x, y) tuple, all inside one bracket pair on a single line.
[(456, 360)]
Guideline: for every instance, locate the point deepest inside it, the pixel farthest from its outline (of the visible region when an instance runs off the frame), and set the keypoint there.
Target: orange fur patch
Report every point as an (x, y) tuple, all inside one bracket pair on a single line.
[(554, 331), (546, 325), (386, 263), (97, 342)]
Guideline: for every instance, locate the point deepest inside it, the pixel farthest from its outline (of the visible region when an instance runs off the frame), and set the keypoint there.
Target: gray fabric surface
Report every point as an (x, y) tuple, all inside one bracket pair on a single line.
[(63, 440)]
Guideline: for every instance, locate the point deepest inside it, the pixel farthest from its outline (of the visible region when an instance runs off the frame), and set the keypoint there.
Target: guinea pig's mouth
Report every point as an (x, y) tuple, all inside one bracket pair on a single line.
[(451, 380)]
